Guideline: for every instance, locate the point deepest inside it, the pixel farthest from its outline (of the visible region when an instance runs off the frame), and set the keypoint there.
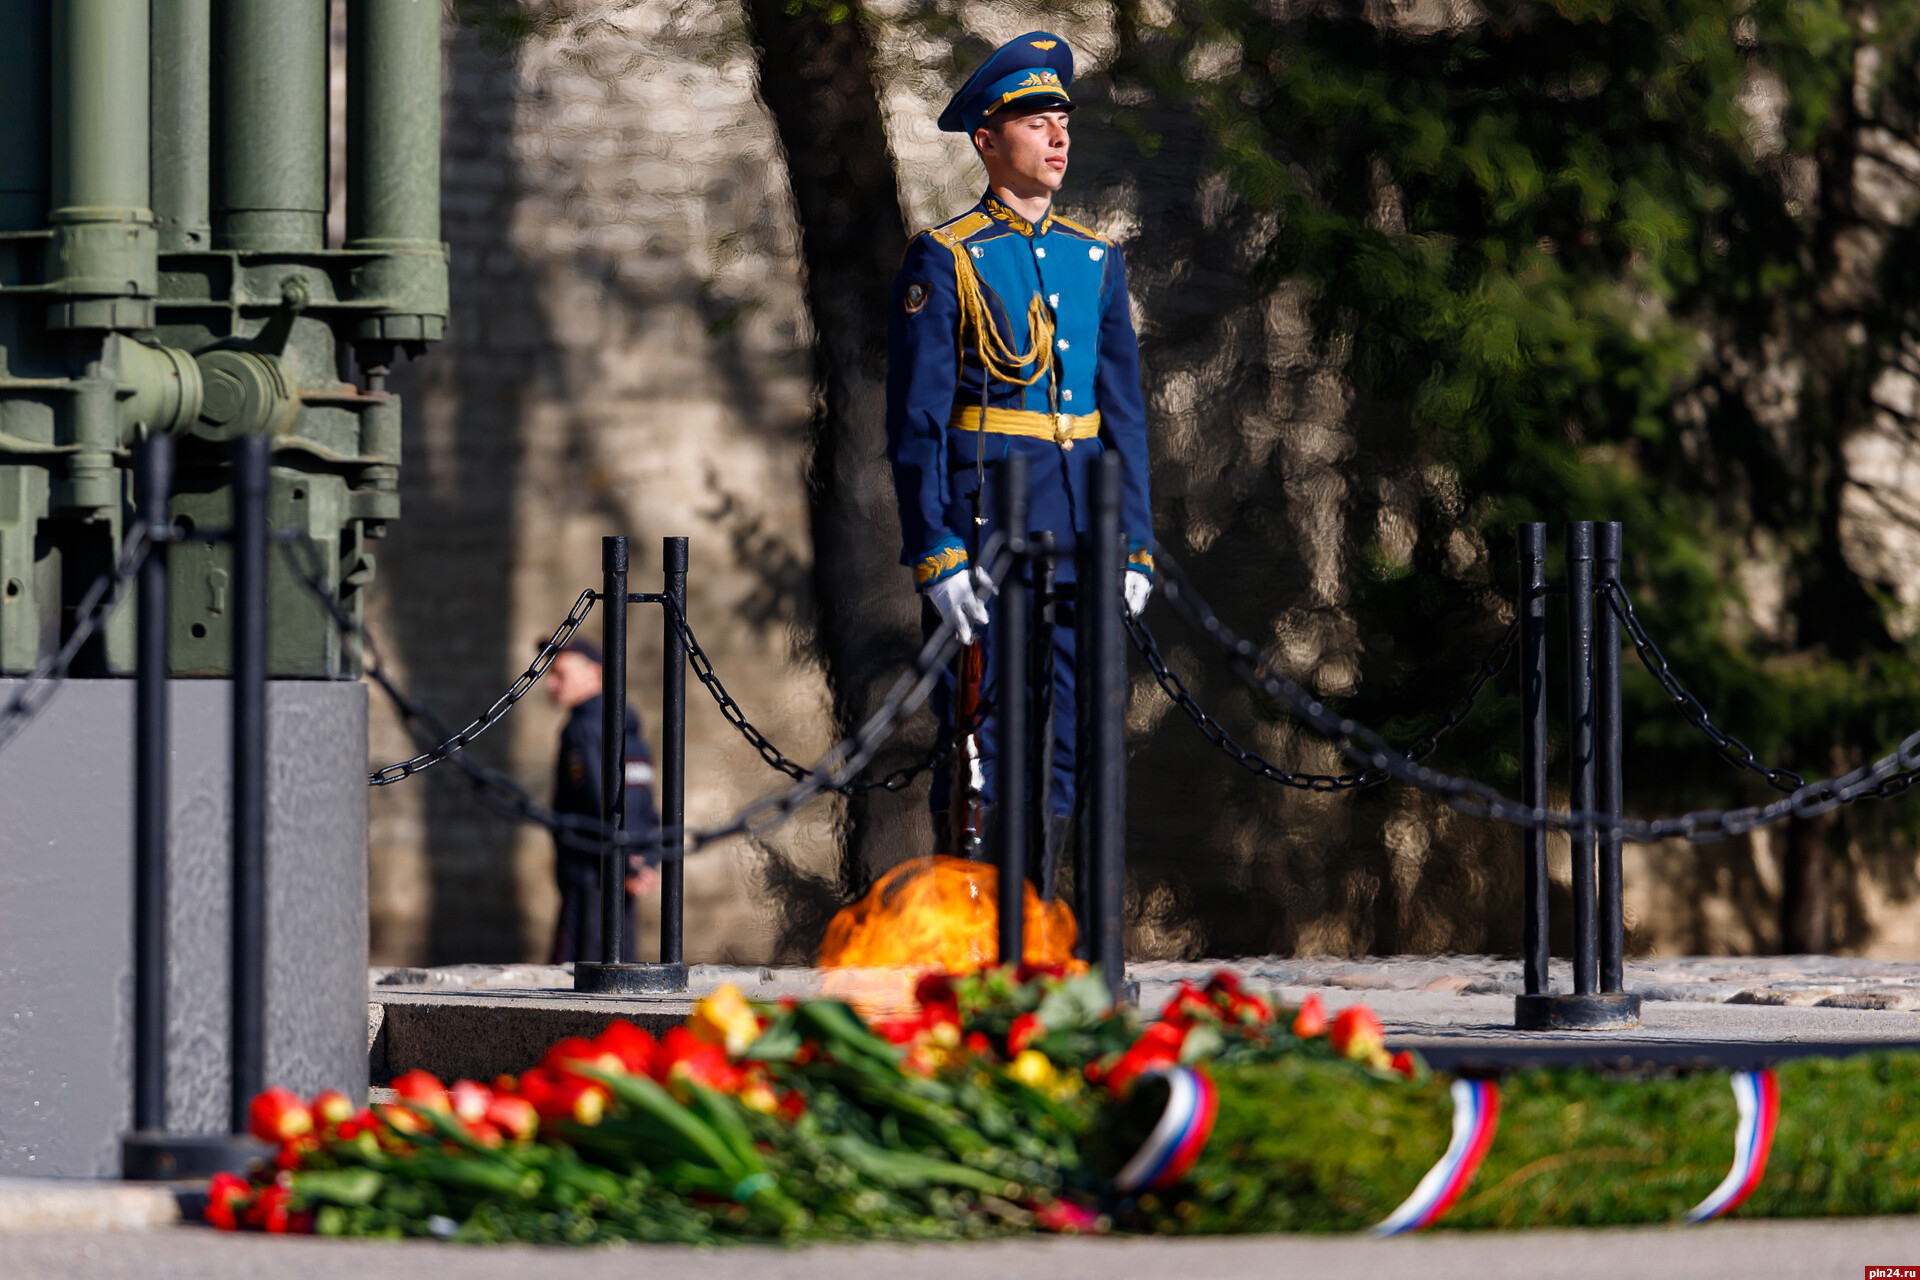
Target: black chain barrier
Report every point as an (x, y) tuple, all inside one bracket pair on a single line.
[(1888, 776), (1253, 762), (387, 776), (102, 598), (507, 798), (1734, 751), (734, 715)]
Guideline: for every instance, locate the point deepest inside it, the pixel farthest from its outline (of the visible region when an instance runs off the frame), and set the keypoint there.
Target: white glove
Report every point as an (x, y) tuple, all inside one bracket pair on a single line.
[(1138, 587), (959, 603)]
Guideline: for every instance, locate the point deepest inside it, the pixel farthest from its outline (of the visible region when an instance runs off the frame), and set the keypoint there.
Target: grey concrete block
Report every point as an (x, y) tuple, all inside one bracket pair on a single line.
[(477, 1036), (65, 1204), (66, 890)]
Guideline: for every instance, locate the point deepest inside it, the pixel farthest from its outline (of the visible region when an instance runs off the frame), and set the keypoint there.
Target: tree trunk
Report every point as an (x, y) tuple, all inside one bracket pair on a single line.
[(1805, 893), (816, 77)]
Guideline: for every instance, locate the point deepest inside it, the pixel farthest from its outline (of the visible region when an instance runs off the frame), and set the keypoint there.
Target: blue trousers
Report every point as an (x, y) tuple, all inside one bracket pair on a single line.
[(1057, 495)]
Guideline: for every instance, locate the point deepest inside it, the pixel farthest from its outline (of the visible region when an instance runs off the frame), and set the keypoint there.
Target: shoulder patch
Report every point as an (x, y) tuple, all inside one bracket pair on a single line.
[(960, 228), (916, 296)]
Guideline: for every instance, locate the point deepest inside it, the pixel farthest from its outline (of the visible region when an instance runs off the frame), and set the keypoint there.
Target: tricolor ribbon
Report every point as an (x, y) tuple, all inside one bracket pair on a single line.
[(1757, 1094), (1476, 1115), (1179, 1136)]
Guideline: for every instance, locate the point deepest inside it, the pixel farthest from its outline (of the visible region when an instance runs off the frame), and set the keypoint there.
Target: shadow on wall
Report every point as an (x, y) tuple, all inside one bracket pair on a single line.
[(625, 354), (1277, 489), (447, 565)]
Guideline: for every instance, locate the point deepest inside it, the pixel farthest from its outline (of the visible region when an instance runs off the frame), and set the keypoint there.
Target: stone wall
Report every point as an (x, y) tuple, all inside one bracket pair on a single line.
[(629, 352)]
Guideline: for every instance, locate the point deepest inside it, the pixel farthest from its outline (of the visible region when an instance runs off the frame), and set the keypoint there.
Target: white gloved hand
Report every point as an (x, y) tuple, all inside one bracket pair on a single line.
[(1138, 587), (959, 602)]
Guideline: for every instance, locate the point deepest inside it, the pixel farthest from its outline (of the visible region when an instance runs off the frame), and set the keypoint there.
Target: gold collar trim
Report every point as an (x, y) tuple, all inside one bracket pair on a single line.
[(1002, 213)]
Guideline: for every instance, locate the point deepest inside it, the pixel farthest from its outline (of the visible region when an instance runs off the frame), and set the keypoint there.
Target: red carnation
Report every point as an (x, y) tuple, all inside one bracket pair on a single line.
[(1158, 1046), (422, 1089), (1311, 1021), (228, 1195), (1188, 1003), (514, 1117), (685, 1056), (1357, 1034), (277, 1114), (1025, 1030), (470, 1100), (633, 1047)]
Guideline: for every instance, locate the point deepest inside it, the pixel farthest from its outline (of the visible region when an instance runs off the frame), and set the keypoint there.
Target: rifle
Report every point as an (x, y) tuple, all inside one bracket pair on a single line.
[(966, 816)]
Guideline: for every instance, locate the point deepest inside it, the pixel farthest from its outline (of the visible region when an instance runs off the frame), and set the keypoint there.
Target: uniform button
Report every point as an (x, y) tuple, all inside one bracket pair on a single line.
[(1053, 299), (1039, 252), (1066, 395), (978, 252), (1063, 344)]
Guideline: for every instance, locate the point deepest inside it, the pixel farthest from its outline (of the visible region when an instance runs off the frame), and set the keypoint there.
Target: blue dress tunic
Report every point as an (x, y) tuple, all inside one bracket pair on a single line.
[(1081, 398)]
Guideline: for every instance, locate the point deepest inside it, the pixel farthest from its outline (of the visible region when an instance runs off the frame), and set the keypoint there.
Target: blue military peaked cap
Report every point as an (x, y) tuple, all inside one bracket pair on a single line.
[(1032, 70)]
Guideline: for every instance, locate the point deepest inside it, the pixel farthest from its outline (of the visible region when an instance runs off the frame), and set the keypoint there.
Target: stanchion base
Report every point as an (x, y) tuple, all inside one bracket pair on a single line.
[(629, 979), (1595, 1011), (170, 1157)]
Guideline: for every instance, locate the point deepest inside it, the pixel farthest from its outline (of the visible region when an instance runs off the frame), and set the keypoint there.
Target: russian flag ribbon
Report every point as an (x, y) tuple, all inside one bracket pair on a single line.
[(1757, 1095), (1179, 1136), (1476, 1116)]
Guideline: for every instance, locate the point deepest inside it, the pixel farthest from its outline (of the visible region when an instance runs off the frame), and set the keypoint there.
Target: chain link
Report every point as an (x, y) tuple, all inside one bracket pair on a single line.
[(507, 798), (731, 710), (1891, 775), (386, 777), (101, 599), (1253, 762), (1734, 751)]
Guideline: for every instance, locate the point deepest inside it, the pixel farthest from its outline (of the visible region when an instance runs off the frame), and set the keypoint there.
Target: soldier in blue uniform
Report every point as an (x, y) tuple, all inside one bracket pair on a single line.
[(573, 683), (1010, 332)]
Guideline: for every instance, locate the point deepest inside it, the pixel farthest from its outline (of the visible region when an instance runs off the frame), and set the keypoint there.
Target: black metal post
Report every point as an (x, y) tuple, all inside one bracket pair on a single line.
[(251, 479), (613, 745), (612, 974), (1533, 747), (1101, 599), (1010, 610), (1041, 847), (1586, 938), (673, 759), (1612, 798), (1587, 1008), (1085, 877), (151, 745), (150, 1152)]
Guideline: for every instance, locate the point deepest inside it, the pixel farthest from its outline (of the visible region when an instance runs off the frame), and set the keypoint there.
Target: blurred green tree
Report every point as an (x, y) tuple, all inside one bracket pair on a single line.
[(1645, 260)]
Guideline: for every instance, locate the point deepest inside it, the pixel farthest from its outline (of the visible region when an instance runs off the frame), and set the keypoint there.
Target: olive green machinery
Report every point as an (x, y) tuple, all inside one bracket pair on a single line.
[(164, 267)]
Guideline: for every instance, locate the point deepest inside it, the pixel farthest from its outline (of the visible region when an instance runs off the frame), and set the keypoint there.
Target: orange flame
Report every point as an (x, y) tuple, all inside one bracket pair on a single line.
[(937, 913)]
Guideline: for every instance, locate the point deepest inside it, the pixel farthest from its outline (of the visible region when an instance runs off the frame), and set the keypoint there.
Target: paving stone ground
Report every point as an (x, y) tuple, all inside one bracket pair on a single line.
[(1835, 1249), (1847, 982)]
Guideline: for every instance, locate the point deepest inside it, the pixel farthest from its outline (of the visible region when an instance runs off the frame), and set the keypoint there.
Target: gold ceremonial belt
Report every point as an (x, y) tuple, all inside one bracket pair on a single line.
[(1061, 428)]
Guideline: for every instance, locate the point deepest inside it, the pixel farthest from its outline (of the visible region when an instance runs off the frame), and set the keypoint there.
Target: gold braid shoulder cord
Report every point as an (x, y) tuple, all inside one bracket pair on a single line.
[(998, 360)]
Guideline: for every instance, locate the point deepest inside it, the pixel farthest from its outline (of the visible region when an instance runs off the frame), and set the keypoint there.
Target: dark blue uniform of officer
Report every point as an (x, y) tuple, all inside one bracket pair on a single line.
[(576, 790), (1010, 336)]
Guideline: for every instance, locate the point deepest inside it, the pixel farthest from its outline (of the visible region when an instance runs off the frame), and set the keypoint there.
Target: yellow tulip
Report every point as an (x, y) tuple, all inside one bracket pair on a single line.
[(725, 1018)]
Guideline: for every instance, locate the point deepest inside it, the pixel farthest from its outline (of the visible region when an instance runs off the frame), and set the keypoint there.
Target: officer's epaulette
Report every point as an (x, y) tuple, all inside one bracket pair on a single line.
[(1088, 232), (960, 228)]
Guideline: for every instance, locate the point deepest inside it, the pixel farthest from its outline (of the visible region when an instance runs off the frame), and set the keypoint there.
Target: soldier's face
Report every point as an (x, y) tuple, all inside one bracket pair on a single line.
[(1026, 152), (572, 679)]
